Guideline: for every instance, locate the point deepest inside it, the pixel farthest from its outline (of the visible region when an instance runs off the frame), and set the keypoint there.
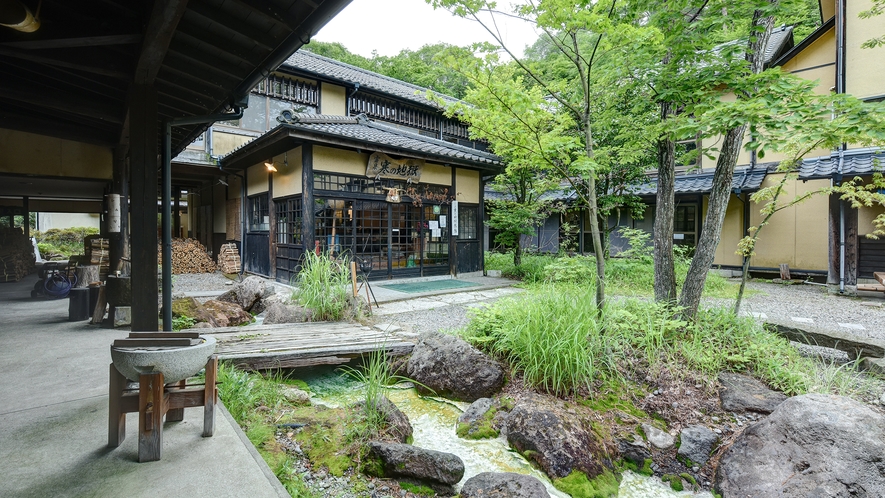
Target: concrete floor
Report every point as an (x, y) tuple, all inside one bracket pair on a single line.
[(54, 418)]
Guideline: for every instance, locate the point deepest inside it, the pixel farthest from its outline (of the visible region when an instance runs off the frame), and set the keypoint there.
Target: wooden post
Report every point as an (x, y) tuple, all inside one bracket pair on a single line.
[(116, 414), (353, 278), (143, 152), (151, 405), (210, 396), (176, 414)]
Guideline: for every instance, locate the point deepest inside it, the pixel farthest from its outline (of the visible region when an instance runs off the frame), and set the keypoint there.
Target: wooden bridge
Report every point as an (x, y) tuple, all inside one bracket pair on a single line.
[(294, 345)]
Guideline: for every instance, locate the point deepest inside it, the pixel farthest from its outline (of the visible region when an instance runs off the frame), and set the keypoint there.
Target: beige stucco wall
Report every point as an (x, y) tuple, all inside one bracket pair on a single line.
[(339, 160), (436, 174), (732, 232), (333, 100), (287, 179), (234, 187), (796, 235), (467, 185), (864, 67), (256, 179), (27, 153), (225, 143)]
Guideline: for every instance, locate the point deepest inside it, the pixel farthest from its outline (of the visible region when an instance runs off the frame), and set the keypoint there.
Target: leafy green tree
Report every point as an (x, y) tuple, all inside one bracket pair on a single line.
[(421, 67), (555, 129)]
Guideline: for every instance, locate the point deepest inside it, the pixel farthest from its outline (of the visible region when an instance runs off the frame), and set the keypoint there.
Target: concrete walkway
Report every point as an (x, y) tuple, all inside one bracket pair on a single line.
[(54, 413)]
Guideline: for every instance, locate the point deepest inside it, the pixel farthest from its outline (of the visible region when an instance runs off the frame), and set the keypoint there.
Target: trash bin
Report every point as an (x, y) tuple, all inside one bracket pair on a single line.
[(78, 304)]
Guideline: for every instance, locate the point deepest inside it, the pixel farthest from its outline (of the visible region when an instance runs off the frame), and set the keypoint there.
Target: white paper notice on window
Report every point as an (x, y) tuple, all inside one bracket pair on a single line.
[(442, 221), (678, 236), (433, 225), (435, 232)]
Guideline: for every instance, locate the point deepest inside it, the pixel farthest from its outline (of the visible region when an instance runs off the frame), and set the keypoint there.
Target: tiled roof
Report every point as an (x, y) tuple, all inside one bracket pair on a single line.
[(702, 183), (362, 129), (324, 67), (780, 41), (855, 162)]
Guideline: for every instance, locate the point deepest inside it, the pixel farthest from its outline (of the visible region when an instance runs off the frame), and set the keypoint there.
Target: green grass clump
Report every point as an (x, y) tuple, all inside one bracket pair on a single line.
[(64, 242), (417, 489), (531, 270), (674, 481), (324, 286), (645, 470), (577, 485)]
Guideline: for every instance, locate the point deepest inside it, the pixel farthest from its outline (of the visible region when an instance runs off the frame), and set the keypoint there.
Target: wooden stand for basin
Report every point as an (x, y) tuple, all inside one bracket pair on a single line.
[(152, 400)]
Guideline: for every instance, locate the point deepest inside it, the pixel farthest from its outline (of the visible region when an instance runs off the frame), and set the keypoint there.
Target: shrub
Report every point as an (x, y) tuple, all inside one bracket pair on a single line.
[(65, 241)]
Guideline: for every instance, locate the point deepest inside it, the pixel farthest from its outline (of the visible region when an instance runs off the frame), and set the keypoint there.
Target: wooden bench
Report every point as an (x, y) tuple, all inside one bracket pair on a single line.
[(880, 287)]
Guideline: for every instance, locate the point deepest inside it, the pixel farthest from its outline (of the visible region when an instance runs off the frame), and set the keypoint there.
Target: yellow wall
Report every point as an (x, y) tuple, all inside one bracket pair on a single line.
[(287, 179), (798, 235), (467, 182), (27, 153), (339, 161), (234, 187), (436, 174), (732, 232), (256, 179), (864, 67), (333, 100), (225, 143)]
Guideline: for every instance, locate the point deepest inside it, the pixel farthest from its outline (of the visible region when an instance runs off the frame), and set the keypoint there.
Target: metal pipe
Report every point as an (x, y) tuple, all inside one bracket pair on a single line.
[(166, 198), (840, 88)]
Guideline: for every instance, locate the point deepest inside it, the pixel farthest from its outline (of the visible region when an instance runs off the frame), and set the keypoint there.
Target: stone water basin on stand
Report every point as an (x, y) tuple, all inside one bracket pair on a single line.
[(176, 363)]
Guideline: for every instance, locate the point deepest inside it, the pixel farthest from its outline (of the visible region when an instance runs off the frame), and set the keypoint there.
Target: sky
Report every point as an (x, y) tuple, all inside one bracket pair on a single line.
[(389, 26)]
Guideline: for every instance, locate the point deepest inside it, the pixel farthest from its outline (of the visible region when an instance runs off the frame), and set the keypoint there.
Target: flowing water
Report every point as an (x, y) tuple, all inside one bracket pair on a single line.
[(433, 422)]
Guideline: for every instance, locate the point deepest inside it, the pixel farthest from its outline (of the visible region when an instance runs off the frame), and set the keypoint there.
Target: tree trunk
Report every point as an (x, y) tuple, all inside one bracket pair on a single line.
[(517, 252), (705, 252), (665, 273), (593, 207)]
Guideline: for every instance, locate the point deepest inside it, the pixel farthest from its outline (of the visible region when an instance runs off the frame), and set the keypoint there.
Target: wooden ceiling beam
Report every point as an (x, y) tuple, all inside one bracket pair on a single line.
[(53, 128), (234, 25), (90, 67), (63, 101), (87, 41), (197, 36), (66, 78), (161, 27)]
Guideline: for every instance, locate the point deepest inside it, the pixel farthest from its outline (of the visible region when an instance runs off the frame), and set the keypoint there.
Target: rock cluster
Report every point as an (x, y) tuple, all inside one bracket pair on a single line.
[(447, 366)]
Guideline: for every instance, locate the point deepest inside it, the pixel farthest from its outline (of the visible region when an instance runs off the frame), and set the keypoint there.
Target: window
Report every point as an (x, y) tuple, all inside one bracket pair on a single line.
[(685, 225), (289, 221), (467, 222), (259, 218)]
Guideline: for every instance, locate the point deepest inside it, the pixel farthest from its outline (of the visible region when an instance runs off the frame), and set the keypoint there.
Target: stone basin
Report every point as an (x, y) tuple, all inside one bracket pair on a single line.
[(176, 363)]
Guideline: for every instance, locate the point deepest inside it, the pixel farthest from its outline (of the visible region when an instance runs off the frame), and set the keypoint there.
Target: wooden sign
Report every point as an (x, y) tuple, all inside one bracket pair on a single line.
[(383, 166)]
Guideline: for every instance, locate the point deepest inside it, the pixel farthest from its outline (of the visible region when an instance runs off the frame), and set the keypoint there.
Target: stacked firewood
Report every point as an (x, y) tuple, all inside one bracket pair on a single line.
[(188, 256), (229, 258), (97, 253), (16, 255)]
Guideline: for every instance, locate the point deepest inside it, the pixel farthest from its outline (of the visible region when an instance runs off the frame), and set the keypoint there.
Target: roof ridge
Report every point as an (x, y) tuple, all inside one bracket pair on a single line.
[(308, 118), (364, 70)]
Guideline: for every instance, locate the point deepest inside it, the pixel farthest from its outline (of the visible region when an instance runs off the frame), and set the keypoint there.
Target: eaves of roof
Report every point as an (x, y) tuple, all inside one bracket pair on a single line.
[(318, 67), (356, 132), (806, 42), (857, 162)]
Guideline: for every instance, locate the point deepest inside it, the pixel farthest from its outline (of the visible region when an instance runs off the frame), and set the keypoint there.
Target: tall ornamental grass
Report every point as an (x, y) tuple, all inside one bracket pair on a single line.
[(324, 286)]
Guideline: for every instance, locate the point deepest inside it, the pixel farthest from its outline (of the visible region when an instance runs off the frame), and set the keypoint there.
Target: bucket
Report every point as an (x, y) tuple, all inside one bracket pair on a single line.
[(78, 304)]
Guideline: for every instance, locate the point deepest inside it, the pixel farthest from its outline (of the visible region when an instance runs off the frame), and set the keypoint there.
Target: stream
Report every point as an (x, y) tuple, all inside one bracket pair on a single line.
[(433, 422)]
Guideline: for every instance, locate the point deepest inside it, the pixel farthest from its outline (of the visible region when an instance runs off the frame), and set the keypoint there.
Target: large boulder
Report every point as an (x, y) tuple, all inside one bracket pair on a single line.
[(503, 485), (223, 314), (811, 445), (433, 468), (447, 366), (248, 293), (557, 445), (741, 393), (278, 312)]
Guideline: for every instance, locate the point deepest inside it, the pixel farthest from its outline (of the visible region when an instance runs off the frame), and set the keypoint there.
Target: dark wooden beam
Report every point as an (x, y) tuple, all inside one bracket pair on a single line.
[(196, 36), (63, 101), (205, 67), (54, 128), (86, 41), (60, 76), (90, 66), (234, 25), (163, 22)]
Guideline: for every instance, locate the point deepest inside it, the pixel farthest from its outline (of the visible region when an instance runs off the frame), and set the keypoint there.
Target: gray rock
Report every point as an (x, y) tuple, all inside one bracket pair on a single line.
[(278, 312), (741, 393), (634, 451), (248, 292), (503, 485), (696, 442), (295, 395), (555, 444), (396, 423), (451, 368), (476, 410), (811, 445), (222, 314), (658, 438), (404, 460)]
